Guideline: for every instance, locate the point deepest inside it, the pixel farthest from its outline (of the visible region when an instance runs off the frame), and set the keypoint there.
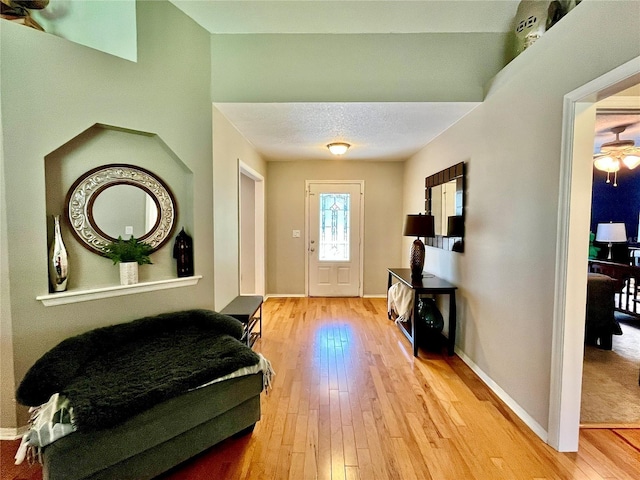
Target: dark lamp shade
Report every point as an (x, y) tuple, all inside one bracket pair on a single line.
[(455, 226), (419, 226)]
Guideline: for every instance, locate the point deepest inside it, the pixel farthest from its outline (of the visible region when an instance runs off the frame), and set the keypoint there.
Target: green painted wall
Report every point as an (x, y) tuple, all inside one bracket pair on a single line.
[(99, 146), (436, 67), (106, 26), (52, 90), (229, 148)]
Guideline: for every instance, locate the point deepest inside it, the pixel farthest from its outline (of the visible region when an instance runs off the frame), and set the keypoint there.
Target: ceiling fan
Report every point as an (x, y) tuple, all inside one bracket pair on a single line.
[(613, 153)]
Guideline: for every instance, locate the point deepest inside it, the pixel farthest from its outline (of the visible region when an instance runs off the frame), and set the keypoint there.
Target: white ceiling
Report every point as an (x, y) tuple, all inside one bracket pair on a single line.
[(621, 109), (377, 131), (606, 121)]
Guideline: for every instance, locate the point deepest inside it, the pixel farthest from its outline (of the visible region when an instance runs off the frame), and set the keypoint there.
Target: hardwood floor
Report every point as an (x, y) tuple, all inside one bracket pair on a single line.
[(350, 402)]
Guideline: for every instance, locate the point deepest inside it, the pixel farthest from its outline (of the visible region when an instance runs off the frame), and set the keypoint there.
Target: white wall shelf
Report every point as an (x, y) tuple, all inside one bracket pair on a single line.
[(76, 296)]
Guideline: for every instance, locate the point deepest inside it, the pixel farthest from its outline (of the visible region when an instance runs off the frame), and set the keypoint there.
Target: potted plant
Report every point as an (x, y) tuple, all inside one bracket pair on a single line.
[(129, 254)]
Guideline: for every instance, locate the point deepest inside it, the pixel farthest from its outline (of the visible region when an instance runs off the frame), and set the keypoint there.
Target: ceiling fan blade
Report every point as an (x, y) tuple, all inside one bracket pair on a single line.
[(632, 151)]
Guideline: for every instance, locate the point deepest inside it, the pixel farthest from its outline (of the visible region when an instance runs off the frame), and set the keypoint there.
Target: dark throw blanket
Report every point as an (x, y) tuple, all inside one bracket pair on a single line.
[(112, 373)]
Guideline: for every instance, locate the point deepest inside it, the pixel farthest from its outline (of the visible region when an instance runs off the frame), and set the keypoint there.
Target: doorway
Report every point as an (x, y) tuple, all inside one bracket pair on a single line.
[(572, 244), (334, 228), (610, 393), (251, 235)]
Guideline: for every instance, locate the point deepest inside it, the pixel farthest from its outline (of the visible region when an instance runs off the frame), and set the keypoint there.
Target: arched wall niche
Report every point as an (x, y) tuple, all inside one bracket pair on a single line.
[(101, 145)]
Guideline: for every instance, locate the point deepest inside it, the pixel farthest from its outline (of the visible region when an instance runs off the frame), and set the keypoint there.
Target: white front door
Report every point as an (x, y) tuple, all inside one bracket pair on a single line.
[(333, 239)]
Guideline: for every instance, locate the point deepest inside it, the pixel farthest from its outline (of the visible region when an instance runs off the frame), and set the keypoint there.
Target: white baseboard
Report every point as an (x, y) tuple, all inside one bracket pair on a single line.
[(12, 433), (510, 402), (284, 295), (302, 295)]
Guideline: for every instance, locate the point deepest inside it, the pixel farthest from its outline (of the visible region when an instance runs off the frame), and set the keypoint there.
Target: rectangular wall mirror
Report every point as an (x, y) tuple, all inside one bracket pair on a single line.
[(444, 199)]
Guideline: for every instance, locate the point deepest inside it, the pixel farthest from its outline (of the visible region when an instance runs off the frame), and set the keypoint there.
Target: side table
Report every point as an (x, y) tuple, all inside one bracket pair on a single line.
[(427, 285), (247, 309)]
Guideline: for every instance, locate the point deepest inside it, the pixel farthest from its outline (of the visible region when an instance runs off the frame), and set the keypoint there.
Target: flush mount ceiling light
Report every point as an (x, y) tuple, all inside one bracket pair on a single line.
[(339, 148), (612, 154)]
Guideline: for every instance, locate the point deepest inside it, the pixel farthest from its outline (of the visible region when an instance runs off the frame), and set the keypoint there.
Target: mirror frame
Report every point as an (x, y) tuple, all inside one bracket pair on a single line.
[(85, 190), (455, 172)]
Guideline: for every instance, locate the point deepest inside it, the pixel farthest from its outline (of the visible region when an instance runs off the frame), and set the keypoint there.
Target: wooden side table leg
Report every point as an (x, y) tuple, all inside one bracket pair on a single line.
[(452, 322), (388, 287), (414, 324)]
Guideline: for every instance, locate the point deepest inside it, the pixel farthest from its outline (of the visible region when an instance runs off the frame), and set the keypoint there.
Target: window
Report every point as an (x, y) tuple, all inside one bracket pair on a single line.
[(334, 227)]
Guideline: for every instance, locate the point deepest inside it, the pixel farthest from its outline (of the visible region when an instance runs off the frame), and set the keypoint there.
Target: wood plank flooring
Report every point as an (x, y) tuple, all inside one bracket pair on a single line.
[(350, 401)]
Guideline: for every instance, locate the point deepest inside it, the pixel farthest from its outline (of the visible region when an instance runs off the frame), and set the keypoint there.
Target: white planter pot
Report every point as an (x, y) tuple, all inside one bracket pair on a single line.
[(128, 273)]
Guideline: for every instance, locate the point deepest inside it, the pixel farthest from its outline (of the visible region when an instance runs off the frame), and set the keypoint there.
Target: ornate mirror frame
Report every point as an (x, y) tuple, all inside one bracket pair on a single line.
[(85, 190), (457, 172)]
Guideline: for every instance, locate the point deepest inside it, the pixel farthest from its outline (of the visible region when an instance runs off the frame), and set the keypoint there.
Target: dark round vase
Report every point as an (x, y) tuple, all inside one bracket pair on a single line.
[(431, 321)]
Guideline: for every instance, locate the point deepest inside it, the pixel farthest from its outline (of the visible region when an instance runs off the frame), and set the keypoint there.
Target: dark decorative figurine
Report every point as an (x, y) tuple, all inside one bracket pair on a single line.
[(183, 253)]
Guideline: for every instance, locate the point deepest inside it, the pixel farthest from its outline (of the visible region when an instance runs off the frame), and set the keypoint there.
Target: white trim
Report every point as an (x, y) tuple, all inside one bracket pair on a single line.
[(306, 238), (75, 296), (307, 184), (570, 284), (379, 295), (260, 235), (502, 395), (9, 433)]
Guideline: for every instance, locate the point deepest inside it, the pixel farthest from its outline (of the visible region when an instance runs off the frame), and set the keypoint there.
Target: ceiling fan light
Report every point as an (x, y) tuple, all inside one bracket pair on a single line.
[(631, 161), (339, 148), (607, 164)]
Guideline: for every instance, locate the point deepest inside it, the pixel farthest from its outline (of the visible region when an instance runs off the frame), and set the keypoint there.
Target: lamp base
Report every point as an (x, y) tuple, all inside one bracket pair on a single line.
[(416, 261)]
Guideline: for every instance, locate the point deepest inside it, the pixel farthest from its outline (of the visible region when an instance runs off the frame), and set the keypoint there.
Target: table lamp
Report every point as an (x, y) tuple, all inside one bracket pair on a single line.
[(611, 233), (420, 226)]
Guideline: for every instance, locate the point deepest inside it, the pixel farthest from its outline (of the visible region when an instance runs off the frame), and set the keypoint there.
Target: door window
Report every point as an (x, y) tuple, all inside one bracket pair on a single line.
[(334, 227)]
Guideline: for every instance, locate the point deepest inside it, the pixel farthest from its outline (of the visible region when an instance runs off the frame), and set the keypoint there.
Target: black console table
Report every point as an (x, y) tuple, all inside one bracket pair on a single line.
[(427, 285), (247, 309)]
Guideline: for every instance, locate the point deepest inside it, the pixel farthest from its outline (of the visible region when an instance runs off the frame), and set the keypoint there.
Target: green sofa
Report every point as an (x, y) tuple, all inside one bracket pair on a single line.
[(141, 396), (160, 438)]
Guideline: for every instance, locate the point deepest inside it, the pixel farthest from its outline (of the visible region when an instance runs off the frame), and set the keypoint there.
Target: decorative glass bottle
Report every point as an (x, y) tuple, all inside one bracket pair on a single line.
[(58, 261)]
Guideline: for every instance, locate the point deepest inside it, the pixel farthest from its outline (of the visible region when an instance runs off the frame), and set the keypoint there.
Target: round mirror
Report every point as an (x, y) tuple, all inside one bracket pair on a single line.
[(124, 210), (120, 200)]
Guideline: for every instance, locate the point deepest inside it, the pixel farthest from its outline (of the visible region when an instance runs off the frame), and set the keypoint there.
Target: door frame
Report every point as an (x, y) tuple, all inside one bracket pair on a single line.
[(572, 243), (307, 185), (259, 241)]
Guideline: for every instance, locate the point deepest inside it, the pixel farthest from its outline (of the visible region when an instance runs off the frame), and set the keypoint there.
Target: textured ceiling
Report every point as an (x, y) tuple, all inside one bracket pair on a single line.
[(376, 131), (622, 109), (606, 121)]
